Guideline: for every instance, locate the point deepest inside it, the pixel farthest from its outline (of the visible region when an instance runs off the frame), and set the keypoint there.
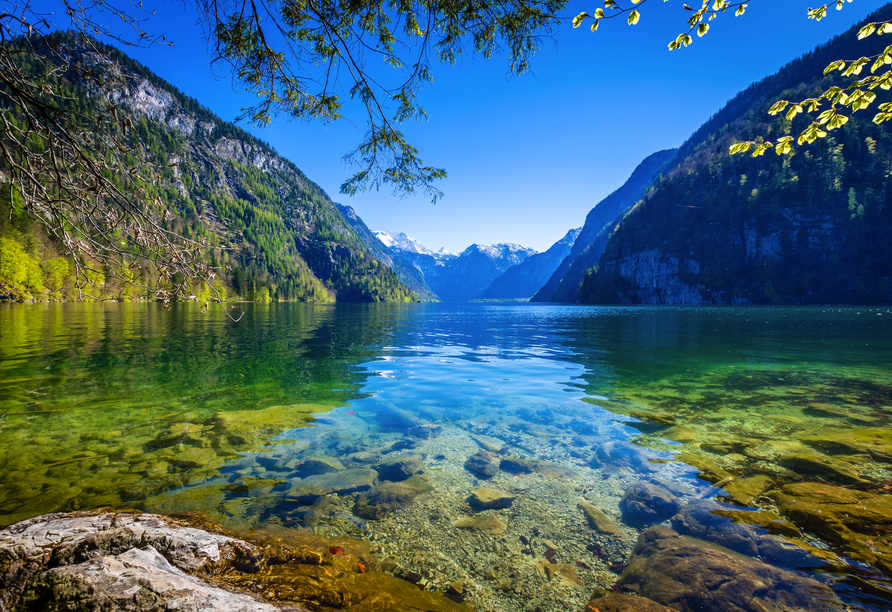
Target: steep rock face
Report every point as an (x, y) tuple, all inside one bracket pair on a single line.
[(657, 278), (411, 276), (524, 279), (599, 223)]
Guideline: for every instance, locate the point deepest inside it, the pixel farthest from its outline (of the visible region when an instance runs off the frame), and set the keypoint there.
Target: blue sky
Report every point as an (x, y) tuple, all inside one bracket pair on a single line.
[(528, 156)]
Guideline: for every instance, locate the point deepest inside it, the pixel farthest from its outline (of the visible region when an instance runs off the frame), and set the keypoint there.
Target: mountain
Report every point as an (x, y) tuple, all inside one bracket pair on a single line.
[(524, 279), (404, 270), (407, 244), (807, 228), (277, 233), (455, 278), (599, 224)]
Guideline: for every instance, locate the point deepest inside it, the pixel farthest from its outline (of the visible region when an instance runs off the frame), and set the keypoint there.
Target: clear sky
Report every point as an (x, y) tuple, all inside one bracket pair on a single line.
[(528, 157)]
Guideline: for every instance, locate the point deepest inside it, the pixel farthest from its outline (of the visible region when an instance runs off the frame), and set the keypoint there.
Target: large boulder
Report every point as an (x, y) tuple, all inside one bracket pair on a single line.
[(483, 464), (691, 575), (644, 504), (125, 561), (380, 501)]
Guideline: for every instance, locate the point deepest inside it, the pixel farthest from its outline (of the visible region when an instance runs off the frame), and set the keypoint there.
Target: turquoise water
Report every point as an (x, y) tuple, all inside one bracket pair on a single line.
[(133, 406)]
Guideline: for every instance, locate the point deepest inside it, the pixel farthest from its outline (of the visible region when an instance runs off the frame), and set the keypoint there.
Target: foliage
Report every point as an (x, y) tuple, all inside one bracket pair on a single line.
[(301, 57)]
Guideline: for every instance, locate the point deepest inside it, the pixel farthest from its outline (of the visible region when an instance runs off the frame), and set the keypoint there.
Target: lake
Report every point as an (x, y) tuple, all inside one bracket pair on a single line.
[(763, 431)]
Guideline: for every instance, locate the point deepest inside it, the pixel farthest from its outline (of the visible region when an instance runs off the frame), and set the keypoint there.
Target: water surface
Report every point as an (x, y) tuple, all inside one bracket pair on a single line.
[(131, 405)]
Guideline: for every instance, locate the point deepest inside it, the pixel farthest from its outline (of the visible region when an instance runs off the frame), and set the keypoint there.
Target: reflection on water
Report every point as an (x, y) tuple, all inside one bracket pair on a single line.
[(762, 430)]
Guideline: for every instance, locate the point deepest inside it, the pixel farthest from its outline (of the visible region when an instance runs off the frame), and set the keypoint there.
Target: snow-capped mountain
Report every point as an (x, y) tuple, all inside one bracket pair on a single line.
[(456, 277), (407, 244)]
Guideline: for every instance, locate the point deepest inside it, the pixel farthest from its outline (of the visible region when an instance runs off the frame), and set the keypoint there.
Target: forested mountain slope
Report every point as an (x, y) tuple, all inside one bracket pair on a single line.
[(405, 271), (273, 232), (806, 228), (599, 223)]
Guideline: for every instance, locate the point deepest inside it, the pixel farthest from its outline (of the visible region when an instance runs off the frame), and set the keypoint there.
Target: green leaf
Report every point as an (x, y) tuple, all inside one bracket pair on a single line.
[(784, 145), (634, 17), (702, 29), (580, 18), (778, 107)]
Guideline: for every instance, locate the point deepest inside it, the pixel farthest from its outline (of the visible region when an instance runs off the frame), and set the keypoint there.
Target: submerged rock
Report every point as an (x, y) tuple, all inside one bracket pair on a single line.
[(344, 482), (564, 573), (380, 501), (703, 520), (486, 499), (842, 516), (482, 522), (483, 463), (618, 602), (518, 465), (321, 464), (822, 465), (597, 520), (688, 574), (644, 504), (399, 467), (488, 443), (745, 490)]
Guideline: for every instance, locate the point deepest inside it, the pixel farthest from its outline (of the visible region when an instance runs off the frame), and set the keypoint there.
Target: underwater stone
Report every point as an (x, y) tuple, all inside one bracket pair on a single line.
[(488, 443), (680, 433), (876, 442), (380, 501), (829, 410), (597, 520), (814, 463), (838, 515), (745, 490), (424, 431), (193, 457), (517, 465), (603, 601), (655, 416), (645, 504), (689, 574), (564, 573), (399, 467), (482, 522), (710, 471), (486, 499), (702, 520), (319, 464), (344, 482), (483, 463)]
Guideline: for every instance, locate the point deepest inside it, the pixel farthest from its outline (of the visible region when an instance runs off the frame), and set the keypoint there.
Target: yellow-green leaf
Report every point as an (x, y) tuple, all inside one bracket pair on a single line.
[(634, 17)]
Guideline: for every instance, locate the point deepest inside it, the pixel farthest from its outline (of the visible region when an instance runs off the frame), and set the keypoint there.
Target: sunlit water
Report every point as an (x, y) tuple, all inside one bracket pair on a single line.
[(133, 406)]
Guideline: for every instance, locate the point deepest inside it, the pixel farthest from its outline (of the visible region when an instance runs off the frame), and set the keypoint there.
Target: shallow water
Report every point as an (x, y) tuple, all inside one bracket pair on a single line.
[(131, 405)]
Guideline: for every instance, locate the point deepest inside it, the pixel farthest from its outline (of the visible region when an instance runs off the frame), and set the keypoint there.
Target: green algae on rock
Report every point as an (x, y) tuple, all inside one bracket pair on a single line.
[(597, 520), (685, 573), (854, 520)]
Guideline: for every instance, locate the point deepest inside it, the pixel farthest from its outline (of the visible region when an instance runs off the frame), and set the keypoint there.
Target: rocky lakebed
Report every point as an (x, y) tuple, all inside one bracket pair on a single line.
[(526, 512)]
